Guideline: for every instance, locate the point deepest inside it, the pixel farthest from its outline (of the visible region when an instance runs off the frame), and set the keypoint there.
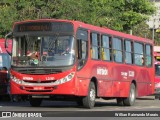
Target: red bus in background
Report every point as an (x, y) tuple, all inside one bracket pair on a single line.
[(157, 71), (4, 68), (63, 59)]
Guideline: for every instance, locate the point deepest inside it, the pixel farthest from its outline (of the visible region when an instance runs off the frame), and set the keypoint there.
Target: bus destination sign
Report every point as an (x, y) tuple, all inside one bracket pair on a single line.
[(34, 27), (44, 26)]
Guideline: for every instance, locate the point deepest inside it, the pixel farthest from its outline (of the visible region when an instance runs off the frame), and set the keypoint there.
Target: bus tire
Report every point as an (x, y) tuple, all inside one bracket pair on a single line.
[(79, 101), (157, 97), (120, 102), (89, 100), (132, 96), (35, 102)]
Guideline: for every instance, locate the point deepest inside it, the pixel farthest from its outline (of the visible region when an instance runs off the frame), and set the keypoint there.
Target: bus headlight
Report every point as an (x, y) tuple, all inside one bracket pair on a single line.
[(16, 80), (65, 79)]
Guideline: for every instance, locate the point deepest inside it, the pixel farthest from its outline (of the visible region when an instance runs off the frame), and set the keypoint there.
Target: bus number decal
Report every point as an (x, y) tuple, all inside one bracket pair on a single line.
[(124, 74), (27, 78), (50, 78), (131, 73), (102, 71)]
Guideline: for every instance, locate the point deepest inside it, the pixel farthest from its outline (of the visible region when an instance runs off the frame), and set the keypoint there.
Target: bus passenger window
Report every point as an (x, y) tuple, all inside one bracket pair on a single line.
[(95, 45), (128, 52), (148, 57), (117, 49), (138, 54), (106, 47)]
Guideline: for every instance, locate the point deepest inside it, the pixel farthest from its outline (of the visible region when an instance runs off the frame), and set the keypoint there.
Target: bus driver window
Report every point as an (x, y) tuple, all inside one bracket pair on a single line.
[(82, 47)]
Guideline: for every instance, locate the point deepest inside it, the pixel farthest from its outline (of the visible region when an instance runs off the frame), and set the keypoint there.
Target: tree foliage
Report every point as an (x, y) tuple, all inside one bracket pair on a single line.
[(121, 15)]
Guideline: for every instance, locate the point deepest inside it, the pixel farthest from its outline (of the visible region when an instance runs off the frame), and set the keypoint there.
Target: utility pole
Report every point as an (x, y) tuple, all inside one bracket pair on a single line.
[(153, 28), (131, 32)]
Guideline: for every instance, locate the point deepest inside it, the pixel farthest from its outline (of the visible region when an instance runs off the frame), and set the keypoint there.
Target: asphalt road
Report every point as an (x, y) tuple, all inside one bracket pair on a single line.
[(103, 108)]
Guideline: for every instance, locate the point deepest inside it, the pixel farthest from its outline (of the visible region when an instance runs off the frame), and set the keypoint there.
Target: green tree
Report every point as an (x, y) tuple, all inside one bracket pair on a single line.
[(142, 30), (121, 15), (7, 16), (129, 13)]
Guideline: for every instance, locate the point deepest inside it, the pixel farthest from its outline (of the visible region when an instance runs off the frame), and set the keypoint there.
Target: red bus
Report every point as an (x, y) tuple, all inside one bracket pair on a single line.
[(4, 68), (157, 71), (63, 59)]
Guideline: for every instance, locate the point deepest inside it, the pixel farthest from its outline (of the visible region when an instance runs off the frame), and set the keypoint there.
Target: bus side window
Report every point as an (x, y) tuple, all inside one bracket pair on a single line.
[(128, 51), (95, 46), (82, 45), (138, 53), (148, 57), (117, 50), (106, 48)]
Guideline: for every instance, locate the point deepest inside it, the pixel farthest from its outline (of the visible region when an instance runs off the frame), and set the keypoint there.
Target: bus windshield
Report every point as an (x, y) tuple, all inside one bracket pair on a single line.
[(43, 51)]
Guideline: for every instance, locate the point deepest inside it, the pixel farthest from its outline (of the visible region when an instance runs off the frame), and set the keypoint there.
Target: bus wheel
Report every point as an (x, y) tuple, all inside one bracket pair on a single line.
[(35, 102), (79, 101), (89, 100), (120, 101), (157, 97), (132, 96)]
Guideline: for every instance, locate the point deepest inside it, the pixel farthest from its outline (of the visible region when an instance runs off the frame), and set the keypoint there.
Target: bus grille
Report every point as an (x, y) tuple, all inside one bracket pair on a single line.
[(44, 81), (39, 71), (39, 90)]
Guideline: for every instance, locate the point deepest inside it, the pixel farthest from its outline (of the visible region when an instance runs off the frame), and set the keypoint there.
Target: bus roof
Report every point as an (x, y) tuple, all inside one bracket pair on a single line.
[(104, 30)]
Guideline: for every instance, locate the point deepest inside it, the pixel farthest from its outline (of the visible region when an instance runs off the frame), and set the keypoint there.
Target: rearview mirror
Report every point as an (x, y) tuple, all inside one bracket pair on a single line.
[(7, 37)]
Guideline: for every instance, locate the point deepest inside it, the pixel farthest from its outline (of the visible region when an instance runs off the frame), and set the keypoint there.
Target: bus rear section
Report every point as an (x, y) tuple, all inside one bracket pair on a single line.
[(70, 60), (4, 69)]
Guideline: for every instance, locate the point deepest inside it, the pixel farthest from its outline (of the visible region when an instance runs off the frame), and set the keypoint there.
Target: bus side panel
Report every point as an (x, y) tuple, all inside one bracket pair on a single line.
[(121, 89), (145, 89), (82, 86), (145, 82), (113, 89), (105, 88), (84, 77), (149, 89), (142, 89), (122, 78), (113, 80)]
